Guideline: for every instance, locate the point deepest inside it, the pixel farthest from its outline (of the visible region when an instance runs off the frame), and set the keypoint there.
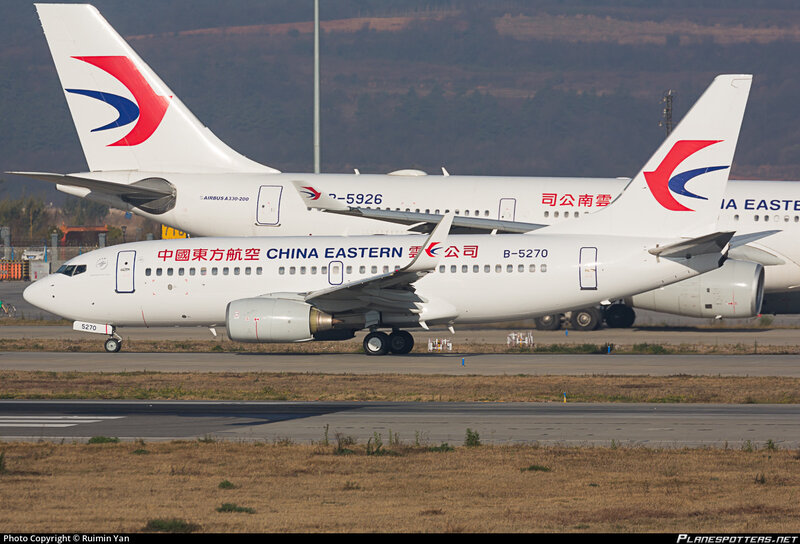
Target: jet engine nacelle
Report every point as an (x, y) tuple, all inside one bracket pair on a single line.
[(736, 289), (269, 319)]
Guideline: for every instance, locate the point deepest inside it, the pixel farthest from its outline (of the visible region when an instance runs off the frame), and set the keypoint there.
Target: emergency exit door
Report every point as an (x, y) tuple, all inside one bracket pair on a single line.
[(588, 268), (508, 209), (268, 210), (126, 263), (335, 272)]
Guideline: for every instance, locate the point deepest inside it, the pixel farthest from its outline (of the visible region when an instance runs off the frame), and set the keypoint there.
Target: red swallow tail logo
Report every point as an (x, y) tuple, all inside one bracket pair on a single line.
[(312, 193), (149, 109), (662, 183), (432, 249)]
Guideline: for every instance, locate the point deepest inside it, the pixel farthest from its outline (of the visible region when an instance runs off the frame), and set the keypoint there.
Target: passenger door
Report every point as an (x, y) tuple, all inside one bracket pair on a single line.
[(126, 264), (268, 207)]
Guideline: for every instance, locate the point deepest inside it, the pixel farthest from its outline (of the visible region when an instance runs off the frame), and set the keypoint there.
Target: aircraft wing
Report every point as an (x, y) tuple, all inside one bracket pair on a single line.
[(422, 222), (710, 243), (393, 291), (145, 193)]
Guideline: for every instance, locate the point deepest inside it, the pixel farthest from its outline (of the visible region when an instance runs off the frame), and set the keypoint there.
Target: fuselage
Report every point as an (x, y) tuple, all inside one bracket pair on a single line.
[(269, 205), (478, 278)]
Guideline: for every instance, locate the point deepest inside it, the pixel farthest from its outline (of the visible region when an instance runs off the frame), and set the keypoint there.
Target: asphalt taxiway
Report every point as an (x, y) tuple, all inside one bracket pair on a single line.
[(671, 425)]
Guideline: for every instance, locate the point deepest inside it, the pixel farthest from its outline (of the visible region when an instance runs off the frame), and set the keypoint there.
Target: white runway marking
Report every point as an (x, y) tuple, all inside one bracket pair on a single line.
[(51, 421)]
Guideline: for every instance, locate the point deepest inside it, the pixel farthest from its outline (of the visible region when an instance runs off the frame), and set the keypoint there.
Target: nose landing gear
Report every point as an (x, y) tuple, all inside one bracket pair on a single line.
[(114, 343)]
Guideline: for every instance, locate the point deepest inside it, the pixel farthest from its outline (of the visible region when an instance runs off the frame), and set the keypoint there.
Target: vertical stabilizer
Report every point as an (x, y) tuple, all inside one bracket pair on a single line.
[(126, 117), (679, 190)]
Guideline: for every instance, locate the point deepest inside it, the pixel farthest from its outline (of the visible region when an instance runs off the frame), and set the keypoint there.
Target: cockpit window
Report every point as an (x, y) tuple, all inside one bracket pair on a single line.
[(71, 270)]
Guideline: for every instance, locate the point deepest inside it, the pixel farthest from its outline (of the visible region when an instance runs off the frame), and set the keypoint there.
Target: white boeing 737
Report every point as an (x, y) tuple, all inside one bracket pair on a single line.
[(147, 153), (291, 289)]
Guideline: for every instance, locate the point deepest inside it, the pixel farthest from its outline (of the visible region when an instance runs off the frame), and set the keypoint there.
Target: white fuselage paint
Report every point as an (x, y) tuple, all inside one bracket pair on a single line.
[(479, 278), (228, 205)]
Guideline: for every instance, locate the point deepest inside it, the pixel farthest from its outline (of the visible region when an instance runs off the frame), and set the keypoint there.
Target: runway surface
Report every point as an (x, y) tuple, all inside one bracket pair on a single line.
[(456, 365), (662, 425), (425, 423)]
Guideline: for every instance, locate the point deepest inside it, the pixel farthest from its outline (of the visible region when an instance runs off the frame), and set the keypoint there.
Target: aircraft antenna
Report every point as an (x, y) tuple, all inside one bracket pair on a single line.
[(666, 112)]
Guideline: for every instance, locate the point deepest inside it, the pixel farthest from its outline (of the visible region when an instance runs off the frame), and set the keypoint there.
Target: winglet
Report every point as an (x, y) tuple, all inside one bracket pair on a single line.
[(317, 200), (428, 257)]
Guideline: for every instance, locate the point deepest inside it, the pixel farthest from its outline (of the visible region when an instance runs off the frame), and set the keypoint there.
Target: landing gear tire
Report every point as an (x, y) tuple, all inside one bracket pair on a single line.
[(550, 322), (401, 342), (113, 345), (376, 343), (619, 316), (587, 319)]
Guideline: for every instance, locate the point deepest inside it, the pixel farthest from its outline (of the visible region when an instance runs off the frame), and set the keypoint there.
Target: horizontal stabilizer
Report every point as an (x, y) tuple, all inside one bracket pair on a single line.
[(710, 243), (153, 195)]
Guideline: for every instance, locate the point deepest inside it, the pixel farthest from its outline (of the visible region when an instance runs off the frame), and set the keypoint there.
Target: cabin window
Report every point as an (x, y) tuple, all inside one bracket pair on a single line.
[(169, 271), (324, 270), (147, 271), (385, 269), (281, 271), (181, 271), (521, 268), (259, 271), (362, 269), (159, 272), (237, 270), (543, 268), (349, 269), (532, 268), (313, 269), (214, 270), (203, 271), (192, 271), (510, 268), (292, 270), (441, 268), (487, 268), (302, 269), (498, 268), (374, 269), (475, 268), (225, 271), (248, 270)]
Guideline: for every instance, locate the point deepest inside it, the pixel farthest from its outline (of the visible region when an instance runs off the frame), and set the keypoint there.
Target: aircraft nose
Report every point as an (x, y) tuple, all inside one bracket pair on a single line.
[(38, 294)]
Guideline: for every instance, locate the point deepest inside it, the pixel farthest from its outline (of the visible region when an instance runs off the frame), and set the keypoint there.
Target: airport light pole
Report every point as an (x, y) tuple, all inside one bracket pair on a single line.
[(316, 87)]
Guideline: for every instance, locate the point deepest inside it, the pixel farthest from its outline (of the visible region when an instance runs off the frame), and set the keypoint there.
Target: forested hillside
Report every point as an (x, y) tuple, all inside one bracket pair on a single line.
[(509, 87)]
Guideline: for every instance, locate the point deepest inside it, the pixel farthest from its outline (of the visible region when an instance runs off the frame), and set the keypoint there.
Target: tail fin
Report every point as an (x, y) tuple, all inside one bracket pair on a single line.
[(657, 202), (126, 117)]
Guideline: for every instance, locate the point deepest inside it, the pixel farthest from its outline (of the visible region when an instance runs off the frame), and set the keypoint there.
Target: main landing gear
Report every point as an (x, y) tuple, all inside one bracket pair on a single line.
[(380, 343)]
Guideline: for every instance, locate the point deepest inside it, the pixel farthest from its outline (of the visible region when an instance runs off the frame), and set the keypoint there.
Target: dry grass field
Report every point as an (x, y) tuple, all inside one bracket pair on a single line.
[(235, 487), (17, 384)]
